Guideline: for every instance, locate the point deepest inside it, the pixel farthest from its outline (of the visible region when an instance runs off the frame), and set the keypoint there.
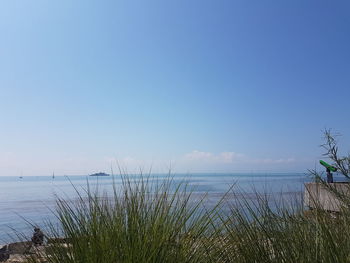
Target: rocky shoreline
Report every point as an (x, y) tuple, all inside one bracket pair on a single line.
[(20, 252)]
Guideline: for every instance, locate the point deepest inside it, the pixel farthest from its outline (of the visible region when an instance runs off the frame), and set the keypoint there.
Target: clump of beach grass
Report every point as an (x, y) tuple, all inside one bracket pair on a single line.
[(142, 221), (261, 232)]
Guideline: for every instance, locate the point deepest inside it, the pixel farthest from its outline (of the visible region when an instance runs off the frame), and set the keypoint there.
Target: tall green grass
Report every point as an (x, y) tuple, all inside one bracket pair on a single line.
[(262, 234), (141, 222), (147, 221)]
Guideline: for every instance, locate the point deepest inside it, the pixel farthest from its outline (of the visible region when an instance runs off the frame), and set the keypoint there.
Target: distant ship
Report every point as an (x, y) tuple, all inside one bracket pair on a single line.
[(99, 174)]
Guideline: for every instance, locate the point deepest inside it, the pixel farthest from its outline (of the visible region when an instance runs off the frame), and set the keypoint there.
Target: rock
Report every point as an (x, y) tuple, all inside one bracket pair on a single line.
[(21, 252), (19, 247), (4, 255), (3, 249), (17, 258), (37, 250)]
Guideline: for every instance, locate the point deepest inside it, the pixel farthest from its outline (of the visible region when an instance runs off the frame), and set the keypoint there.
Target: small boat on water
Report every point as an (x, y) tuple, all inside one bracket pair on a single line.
[(99, 174)]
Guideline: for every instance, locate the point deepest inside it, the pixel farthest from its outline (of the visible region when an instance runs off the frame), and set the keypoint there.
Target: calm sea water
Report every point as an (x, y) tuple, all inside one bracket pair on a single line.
[(31, 198)]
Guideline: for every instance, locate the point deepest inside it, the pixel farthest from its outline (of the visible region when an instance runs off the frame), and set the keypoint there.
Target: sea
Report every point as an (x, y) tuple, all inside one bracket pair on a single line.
[(31, 200)]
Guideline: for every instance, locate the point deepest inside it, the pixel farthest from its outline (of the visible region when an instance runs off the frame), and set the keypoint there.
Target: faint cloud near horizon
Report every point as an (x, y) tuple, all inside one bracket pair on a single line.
[(223, 157), (226, 161), (233, 158), (274, 161)]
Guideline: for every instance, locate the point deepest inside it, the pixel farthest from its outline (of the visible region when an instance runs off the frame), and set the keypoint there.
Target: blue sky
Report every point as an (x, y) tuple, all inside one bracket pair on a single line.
[(200, 86)]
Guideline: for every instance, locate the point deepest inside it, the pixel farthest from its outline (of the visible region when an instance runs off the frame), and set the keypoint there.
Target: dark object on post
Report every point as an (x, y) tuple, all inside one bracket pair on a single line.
[(38, 237), (329, 168), (329, 176)]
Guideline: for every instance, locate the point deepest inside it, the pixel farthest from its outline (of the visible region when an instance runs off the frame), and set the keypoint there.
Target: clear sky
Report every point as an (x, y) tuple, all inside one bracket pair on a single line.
[(200, 86)]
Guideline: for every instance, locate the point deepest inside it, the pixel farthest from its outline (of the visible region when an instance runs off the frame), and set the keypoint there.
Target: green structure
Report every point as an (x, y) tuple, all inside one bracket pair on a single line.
[(328, 166), (329, 169)]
